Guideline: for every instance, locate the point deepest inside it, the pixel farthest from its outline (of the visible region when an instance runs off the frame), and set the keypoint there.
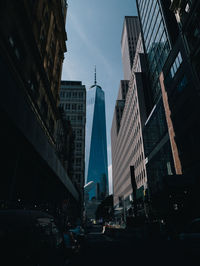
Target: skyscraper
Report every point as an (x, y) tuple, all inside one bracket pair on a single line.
[(158, 28), (31, 55), (96, 143), (180, 83), (130, 33), (126, 137), (73, 101)]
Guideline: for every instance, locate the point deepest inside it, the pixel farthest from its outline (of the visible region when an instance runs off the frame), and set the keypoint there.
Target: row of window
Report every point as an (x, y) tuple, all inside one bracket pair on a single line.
[(34, 81), (78, 177), (157, 57), (151, 17), (72, 106), (77, 161), (141, 156), (174, 68), (155, 128), (79, 146), (141, 176), (156, 40), (69, 94), (74, 118), (136, 164), (177, 62)]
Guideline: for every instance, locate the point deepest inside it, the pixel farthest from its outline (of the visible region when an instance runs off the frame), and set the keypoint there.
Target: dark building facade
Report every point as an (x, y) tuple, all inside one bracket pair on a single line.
[(73, 102), (180, 87), (171, 130), (159, 30), (32, 48), (64, 141)]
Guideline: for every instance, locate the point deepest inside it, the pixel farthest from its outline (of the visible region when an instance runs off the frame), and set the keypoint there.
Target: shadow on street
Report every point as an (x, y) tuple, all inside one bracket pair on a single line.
[(100, 249)]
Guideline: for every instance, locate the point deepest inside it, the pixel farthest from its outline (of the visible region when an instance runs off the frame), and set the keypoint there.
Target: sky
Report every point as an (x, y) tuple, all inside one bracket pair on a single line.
[(94, 29)]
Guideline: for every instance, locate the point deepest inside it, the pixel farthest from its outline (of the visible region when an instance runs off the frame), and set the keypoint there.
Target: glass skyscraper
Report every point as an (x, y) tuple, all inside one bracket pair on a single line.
[(96, 143), (156, 41), (157, 37)]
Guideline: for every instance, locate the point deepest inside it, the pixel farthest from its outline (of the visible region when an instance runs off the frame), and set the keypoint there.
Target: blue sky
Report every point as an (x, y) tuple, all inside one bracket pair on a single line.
[(94, 29)]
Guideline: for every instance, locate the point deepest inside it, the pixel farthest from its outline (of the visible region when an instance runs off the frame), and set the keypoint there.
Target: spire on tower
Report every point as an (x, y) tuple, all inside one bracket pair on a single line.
[(95, 79), (95, 76)]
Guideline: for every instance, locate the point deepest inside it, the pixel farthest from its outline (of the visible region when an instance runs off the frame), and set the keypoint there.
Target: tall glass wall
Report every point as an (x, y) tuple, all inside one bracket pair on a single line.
[(96, 160), (157, 47), (157, 44), (155, 129)]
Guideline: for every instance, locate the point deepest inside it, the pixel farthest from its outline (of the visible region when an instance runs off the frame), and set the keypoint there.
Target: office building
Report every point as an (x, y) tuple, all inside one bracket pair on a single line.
[(31, 55), (119, 108), (64, 140), (126, 139), (73, 102), (180, 85), (159, 31), (96, 143), (130, 33), (172, 127)]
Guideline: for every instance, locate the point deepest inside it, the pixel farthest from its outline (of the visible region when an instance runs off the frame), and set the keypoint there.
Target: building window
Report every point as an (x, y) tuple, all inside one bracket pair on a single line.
[(78, 161), (80, 107), (68, 94), (80, 94), (79, 132), (62, 94), (73, 118), (79, 146), (74, 106), (78, 178), (67, 106), (177, 62), (79, 118)]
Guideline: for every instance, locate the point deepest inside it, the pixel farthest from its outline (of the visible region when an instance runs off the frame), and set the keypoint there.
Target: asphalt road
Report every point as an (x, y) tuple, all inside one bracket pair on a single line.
[(99, 249)]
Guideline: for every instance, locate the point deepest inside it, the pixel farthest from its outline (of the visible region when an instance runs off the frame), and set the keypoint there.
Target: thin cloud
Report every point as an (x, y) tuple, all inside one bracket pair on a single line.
[(88, 42)]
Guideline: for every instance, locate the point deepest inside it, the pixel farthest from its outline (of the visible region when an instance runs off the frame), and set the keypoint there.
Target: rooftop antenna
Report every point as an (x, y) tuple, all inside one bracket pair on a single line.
[(95, 76)]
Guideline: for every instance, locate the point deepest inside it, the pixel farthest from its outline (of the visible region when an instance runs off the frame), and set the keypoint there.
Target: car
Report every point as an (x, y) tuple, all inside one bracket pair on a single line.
[(30, 237)]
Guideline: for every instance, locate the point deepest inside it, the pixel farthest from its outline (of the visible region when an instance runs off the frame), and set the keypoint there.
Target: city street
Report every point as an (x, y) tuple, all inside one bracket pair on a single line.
[(100, 249), (100, 107)]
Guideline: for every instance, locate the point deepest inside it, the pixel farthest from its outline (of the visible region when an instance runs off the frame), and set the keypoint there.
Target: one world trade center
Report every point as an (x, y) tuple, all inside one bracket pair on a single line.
[(96, 144)]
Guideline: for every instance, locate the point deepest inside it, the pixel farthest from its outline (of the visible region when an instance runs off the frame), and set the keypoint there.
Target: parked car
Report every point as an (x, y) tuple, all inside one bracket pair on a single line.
[(30, 238)]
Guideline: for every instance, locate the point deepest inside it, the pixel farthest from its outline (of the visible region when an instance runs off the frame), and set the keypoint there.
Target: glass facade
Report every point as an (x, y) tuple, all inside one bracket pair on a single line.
[(161, 165), (155, 133), (96, 143), (156, 41), (155, 129)]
